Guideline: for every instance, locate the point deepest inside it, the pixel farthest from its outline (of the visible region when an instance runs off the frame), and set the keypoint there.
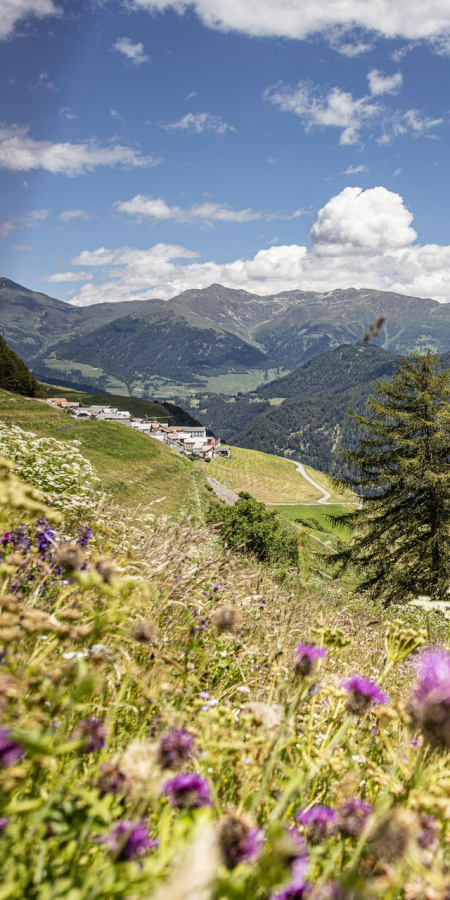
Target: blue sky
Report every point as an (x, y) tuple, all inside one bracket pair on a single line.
[(148, 146)]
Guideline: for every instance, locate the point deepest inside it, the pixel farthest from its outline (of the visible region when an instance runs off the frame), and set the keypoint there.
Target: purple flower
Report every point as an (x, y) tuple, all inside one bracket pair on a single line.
[(429, 702), (239, 840), (307, 658), (319, 822), (84, 536), (45, 539), (188, 791), (128, 839), (427, 836), (363, 694), (352, 817), (295, 890), (175, 747), (92, 733), (5, 538), (10, 751), (3, 823)]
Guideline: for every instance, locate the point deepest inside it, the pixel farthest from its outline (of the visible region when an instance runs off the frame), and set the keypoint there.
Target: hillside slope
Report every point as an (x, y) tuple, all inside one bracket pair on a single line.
[(270, 479), (135, 469)]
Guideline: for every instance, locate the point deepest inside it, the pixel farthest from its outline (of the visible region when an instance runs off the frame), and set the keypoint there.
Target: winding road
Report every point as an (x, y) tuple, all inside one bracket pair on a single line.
[(301, 470)]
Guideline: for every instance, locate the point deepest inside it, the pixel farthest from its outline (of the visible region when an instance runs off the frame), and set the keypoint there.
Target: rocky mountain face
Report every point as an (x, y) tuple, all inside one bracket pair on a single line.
[(202, 335)]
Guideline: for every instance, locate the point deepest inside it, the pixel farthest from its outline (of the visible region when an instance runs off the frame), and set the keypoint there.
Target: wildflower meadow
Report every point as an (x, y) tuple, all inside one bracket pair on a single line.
[(181, 721)]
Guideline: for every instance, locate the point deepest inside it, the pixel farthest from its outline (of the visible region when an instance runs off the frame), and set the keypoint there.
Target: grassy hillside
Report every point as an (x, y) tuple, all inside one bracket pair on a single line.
[(270, 479), (315, 519), (135, 469)]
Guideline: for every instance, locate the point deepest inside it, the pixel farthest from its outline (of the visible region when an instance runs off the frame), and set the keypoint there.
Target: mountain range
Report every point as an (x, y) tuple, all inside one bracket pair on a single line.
[(213, 340)]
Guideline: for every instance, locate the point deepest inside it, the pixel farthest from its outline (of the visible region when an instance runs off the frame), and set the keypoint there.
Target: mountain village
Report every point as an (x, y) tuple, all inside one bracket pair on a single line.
[(189, 440)]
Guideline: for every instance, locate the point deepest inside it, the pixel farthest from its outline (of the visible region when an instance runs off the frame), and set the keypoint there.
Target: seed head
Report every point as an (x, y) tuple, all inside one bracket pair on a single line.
[(105, 568), (69, 558), (226, 618), (143, 631), (395, 834)]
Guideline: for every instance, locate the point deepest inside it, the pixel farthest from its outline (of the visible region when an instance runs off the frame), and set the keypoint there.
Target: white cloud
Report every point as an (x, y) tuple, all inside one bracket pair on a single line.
[(12, 11), (317, 107), (292, 19), (34, 217), (397, 172), (335, 108), (20, 153), (68, 214), (384, 84), (67, 277), (360, 238), (355, 170), (5, 230), (361, 221), (67, 113), (115, 114), (191, 95), (20, 247), (199, 123), (142, 206), (133, 52)]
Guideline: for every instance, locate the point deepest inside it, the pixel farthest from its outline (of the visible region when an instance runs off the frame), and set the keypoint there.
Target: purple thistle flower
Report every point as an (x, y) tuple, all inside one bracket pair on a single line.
[(10, 751), (363, 694), (5, 538), (307, 658), (352, 817), (239, 840), (128, 839), (188, 791), (3, 823), (319, 822), (93, 734), (429, 702), (175, 747)]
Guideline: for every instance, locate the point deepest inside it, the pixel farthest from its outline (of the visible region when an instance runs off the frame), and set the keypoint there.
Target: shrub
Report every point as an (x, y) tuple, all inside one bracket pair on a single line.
[(250, 526)]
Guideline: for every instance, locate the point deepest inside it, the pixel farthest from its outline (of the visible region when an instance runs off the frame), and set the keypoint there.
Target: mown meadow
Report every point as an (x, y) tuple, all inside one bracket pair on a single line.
[(179, 721)]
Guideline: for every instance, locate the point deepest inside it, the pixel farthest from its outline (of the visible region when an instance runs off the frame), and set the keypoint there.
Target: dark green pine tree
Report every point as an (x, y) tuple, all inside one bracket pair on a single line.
[(400, 545), (15, 375)]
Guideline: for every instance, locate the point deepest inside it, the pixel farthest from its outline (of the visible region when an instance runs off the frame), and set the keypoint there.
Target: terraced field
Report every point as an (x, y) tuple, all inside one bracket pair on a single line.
[(270, 479)]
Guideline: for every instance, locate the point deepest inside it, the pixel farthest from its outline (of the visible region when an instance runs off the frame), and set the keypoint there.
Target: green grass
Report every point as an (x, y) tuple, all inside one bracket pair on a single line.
[(136, 470), (270, 479), (315, 515)]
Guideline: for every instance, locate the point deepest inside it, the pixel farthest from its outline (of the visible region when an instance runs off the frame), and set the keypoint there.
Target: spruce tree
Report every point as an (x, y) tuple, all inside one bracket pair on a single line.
[(400, 546)]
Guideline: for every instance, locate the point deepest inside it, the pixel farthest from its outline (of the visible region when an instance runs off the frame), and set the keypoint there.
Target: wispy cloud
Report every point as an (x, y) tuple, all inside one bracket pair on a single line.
[(134, 53), (355, 170), (20, 153), (68, 214), (13, 11), (319, 107), (144, 207), (199, 123), (67, 277)]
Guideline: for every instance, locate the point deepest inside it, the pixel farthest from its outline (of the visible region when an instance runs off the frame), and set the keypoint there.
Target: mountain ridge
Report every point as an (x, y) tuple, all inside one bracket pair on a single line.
[(265, 336)]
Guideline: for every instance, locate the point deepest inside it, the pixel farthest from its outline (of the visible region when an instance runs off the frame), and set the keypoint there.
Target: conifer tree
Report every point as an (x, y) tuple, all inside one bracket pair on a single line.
[(400, 547)]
